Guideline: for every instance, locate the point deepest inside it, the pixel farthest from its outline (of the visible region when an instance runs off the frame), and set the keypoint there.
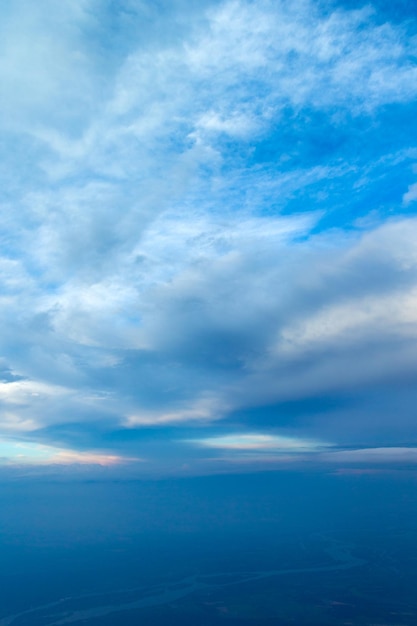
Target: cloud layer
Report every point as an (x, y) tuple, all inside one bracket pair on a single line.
[(207, 228)]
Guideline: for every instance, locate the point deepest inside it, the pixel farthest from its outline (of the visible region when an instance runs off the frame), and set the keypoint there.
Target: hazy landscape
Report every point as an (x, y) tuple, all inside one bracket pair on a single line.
[(202, 552)]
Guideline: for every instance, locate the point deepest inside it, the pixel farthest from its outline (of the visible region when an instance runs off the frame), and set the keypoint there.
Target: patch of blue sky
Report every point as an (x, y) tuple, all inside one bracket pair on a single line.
[(18, 450)]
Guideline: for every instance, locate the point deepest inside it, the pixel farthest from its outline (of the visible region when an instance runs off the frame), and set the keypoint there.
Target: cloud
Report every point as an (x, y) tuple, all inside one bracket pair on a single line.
[(19, 453), (43, 53), (411, 194), (237, 321), (184, 220), (204, 409), (374, 456), (259, 442), (246, 315)]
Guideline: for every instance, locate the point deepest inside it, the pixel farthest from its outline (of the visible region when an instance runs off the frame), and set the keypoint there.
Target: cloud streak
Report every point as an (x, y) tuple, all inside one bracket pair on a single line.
[(19, 453)]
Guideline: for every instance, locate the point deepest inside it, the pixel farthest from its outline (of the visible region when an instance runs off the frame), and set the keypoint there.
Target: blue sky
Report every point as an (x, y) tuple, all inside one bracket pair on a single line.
[(208, 251)]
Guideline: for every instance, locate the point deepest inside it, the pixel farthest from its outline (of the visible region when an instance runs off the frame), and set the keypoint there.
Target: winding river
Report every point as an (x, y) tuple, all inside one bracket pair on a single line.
[(63, 612)]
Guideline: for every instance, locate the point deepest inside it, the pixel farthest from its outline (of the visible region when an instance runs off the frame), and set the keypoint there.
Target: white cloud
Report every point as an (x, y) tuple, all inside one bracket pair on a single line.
[(45, 68), (288, 55), (14, 453), (207, 408), (166, 110), (410, 195), (367, 316), (258, 442)]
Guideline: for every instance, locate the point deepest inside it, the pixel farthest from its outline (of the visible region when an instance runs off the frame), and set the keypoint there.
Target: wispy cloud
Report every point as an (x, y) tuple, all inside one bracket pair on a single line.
[(374, 456), (18, 453), (259, 442), (411, 194)]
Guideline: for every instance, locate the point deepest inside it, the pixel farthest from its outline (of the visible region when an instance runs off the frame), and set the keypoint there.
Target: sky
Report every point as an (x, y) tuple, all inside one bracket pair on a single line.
[(208, 233)]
